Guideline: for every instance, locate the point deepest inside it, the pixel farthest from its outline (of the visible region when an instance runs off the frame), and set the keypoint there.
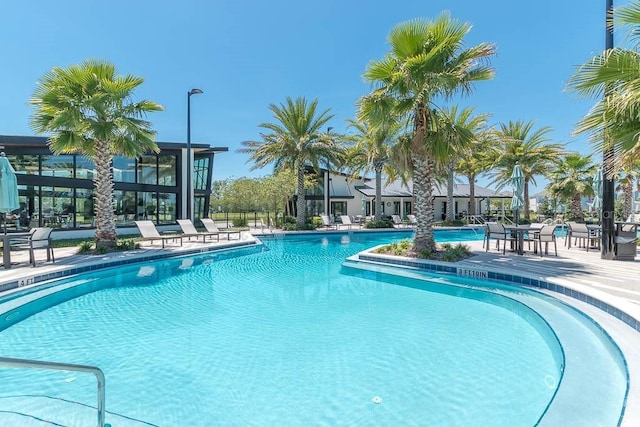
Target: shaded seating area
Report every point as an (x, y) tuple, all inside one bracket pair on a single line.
[(211, 227), (148, 231), (40, 238), (189, 230)]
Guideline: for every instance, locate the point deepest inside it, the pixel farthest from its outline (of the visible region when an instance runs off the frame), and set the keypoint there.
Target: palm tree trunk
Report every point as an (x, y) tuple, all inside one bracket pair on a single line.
[(103, 186), (450, 202), (472, 194), (378, 213), (301, 202), (627, 208), (576, 207), (423, 191), (527, 214)]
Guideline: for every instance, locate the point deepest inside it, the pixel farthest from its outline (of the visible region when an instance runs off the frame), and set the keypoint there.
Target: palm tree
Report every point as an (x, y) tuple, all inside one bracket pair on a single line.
[(631, 169), (427, 62), (87, 109), (571, 179), (616, 73), (474, 162), (294, 143), (517, 142), (372, 152), (464, 126)]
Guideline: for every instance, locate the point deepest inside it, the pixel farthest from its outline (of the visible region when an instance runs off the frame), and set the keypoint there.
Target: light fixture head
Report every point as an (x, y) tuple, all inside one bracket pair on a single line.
[(195, 92)]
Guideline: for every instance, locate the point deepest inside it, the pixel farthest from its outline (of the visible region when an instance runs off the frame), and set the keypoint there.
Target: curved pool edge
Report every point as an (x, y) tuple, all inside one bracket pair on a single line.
[(618, 319)]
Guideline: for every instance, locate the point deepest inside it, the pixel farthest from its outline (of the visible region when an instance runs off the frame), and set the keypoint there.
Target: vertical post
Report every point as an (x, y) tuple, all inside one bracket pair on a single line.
[(189, 171), (608, 209)]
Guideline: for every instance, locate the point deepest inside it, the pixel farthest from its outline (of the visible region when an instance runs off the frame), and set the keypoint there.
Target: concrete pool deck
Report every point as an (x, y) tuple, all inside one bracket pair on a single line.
[(617, 283)]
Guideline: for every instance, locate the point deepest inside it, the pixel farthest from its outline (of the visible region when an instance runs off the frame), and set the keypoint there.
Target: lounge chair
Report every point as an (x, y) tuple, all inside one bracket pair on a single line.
[(397, 221), (413, 221), (40, 238), (211, 227), (326, 222), (189, 230), (148, 231), (346, 220)]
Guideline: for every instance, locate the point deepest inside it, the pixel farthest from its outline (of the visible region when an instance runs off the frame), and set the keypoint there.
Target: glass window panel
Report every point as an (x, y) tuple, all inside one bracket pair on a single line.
[(200, 169), (168, 209), (57, 207), (147, 170), (147, 205), (124, 169), (167, 170), (58, 166), (84, 208), (125, 206), (85, 169), (26, 164)]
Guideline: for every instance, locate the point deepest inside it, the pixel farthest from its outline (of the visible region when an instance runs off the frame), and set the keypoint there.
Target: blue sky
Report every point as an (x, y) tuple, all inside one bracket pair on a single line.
[(246, 55)]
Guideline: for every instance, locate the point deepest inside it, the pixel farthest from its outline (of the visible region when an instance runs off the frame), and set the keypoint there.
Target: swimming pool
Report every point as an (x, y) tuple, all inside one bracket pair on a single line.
[(286, 335)]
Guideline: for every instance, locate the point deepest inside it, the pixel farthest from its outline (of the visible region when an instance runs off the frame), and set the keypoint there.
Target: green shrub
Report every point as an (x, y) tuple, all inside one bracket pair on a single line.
[(127, 245), (85, 247), (383, 223), (239, 222), (101, 250)]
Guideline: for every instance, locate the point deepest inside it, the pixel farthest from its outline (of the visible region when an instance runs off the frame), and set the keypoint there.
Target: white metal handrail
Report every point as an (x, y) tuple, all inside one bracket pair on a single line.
[(55, 366)]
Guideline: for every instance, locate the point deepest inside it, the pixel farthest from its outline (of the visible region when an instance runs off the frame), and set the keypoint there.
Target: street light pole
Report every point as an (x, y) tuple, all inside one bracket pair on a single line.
[(189, 175), (608, 157)]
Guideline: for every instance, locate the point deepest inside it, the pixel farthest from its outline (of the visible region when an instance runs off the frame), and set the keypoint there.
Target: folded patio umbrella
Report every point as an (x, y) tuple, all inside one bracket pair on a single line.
[(8, 189), (517, 180)]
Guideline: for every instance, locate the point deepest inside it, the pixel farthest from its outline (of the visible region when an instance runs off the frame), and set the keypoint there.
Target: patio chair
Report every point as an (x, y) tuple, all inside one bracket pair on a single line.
[(413, 221), (148, 231), (397, 221), (211, 227), (326, 222), (497, 231), (346, 220), (189, 230), (545, 235), (40, 238), (580, 231)]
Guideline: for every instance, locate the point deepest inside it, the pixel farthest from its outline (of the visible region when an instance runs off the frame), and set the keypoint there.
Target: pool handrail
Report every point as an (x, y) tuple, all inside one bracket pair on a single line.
[(56, 366)]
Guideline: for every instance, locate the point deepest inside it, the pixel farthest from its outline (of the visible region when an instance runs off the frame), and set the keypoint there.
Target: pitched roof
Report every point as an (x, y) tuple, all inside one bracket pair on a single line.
[(397, 189)]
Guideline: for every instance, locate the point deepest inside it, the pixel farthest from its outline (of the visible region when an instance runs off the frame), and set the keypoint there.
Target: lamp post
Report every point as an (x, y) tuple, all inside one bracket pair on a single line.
[(189, 171), (608, 189)]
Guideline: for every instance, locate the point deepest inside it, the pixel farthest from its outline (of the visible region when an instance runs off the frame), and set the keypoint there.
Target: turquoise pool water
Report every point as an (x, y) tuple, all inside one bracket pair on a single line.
[(283, 335)]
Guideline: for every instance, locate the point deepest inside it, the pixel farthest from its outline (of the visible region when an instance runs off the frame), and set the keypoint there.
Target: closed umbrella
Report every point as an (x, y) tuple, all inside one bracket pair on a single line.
[(8, 189), (597, 189), (517, 180)]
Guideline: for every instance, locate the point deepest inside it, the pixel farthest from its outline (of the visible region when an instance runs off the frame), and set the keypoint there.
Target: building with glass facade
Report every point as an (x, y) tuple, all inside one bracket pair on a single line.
[(57, 191)]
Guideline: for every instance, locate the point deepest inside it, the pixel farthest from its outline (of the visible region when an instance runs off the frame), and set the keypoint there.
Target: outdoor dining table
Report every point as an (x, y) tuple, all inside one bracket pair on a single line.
[(519, 231), (6, 246)]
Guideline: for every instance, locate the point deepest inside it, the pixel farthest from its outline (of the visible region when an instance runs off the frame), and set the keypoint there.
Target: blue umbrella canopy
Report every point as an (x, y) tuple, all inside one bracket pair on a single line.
[(8, 186), (517, 181), (597, 189)]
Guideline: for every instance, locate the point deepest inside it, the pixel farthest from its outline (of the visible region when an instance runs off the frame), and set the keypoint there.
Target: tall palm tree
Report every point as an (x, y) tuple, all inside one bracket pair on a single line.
[(572, 178), (475, 161), (631, 171), (427, 62), (464, 126), (87, 109), (615, 72), (295, 142), (371, 152), (517, 142)]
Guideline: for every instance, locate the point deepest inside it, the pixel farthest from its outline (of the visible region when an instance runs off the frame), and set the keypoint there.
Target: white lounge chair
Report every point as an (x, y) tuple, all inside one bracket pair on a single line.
[(189, 230), (413, 221), (148, 231), (346, 221), (211, 227), (326, 222), (397, 221)]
